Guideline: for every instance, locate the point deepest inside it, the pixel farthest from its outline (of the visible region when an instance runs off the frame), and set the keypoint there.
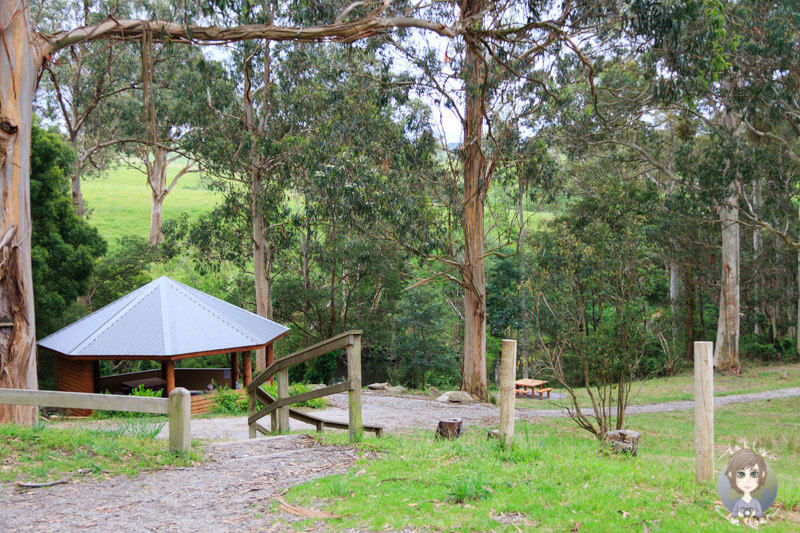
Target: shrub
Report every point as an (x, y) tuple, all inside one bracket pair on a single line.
[(138, 391), (295, 388), (228, 401)]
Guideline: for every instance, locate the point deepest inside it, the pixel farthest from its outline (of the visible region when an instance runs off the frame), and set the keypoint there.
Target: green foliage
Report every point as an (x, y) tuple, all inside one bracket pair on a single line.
[(64, 247), (469, 487), (551, 478), (420, 346), (140, 391), (231, 402), (294, 389), (228, 401), (123, 270), (46, 452)]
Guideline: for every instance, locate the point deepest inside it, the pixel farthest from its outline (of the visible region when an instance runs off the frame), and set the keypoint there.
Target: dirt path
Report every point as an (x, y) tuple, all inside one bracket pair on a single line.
[(401, 413), (236, 489)]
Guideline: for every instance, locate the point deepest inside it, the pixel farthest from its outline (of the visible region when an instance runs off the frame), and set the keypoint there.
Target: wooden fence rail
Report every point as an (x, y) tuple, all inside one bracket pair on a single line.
[(279, 410), (177, 406)]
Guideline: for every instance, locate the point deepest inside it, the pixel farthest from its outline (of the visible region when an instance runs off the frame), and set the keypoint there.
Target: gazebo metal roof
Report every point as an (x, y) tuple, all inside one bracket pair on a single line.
[(163, 320)]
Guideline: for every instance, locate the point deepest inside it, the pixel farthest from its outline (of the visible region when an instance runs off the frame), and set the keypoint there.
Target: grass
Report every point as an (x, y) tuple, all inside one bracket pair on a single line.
[(119, 203), (46, 453), (553, 479), (676, 388)]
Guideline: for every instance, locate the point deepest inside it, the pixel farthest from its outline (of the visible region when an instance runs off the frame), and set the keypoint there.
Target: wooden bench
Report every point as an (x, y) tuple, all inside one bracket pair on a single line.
[(541, 392), (523, 392)]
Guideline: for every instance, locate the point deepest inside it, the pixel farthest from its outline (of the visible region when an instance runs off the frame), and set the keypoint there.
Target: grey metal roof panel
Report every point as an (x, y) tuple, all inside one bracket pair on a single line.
[(163, 318)]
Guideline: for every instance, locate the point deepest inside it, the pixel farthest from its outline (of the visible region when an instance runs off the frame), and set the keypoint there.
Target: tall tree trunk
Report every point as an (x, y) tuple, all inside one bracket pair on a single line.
[(257, 165), (726, 351), (674, 295), (77, 195), (757, 290), (19, 51), (157, 179), (259, 263), (523, 301), (688, 283), (473, 379)]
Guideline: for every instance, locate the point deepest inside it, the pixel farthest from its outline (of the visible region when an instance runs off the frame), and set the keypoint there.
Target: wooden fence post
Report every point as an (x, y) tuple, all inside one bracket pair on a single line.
[(283, 392), (251, 410), (354, 395), (180, 420), (508, 372), (703, 411)]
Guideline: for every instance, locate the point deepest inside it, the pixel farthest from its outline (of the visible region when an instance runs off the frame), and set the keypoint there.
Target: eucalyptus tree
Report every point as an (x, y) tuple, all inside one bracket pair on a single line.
[(500, 31), (761, 96), (25, 48), (79, 80), (155, 117)]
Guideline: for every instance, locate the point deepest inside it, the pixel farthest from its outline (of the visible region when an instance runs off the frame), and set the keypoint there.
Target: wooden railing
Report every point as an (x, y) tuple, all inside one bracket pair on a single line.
[(177, 406), (278, 408)]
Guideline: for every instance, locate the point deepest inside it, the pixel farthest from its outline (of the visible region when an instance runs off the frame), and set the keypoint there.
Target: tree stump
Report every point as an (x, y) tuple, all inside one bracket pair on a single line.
[(449, 429), (621, 441)]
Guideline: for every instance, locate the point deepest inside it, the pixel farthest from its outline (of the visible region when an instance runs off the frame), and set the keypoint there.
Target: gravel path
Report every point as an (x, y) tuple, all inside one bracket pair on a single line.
[(236, 489)]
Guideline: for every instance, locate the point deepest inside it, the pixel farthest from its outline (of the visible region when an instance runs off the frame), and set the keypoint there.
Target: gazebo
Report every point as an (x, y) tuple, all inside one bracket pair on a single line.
[(162, 321)]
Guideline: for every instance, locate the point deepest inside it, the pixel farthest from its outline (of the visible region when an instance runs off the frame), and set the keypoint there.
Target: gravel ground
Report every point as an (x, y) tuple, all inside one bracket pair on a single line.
[(237, 488)]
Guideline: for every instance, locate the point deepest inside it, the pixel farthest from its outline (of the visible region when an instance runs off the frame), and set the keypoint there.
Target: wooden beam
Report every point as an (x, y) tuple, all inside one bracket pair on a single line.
[(234, 357), (283, 394), (508, 371), (338, 342), (310, 395), (180, 419), (247, 363), (83, 400), (170, 368), (354, 395), (703, 411)]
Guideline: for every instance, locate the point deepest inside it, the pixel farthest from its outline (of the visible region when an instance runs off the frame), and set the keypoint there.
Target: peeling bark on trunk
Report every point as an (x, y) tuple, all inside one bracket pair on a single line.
[(17, 85), (726, 350), (473, 379), (759, 308), (674, 294), (157, 179), (77, 195)]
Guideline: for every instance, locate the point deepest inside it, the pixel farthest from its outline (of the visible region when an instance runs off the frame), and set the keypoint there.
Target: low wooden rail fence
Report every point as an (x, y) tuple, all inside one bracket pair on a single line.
[(278, 408), (177, 406)]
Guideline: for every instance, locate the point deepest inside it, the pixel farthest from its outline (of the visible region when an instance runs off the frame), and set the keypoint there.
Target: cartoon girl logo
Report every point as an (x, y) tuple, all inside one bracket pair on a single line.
[(747, 487)]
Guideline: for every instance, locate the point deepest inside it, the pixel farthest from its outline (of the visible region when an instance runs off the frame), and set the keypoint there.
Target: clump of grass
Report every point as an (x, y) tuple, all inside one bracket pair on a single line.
[(552, 477), (45, 452), (140, 428), (469, 487)]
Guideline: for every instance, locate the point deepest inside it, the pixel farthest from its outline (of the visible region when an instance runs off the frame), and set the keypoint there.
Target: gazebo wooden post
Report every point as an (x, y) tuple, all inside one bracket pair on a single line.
[(270, 357), (247, 363), (234, 369), (169, 365)]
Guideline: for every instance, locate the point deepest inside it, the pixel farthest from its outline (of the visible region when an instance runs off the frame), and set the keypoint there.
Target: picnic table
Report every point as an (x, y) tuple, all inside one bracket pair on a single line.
[(149, 383), (536, 386)]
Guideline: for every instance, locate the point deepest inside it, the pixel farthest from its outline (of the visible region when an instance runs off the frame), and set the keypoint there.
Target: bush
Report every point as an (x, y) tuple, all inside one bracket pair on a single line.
[(295, 388), (229, 401), (138, 391)]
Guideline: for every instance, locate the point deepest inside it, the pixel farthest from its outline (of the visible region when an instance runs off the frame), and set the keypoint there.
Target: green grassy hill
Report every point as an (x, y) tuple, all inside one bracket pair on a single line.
[(119, 203)]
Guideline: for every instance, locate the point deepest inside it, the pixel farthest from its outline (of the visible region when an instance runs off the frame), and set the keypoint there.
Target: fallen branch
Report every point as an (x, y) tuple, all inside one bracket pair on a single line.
[(307, 513), (39, 485)]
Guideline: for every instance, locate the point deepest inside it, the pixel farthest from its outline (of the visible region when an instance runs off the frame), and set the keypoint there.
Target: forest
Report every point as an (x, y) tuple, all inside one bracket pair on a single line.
[(623, 181)]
